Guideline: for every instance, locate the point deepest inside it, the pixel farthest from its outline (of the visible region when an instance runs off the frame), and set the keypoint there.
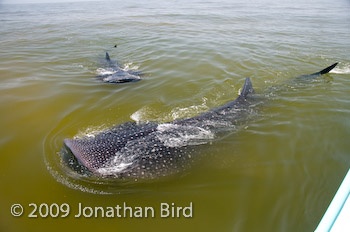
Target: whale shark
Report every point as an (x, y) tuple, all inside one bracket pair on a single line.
[(116, 75), (152, 150)]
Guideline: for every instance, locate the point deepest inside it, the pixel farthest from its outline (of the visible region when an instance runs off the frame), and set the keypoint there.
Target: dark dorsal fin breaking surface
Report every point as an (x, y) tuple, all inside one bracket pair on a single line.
[(107, 57), (247, 88), (324, 71)]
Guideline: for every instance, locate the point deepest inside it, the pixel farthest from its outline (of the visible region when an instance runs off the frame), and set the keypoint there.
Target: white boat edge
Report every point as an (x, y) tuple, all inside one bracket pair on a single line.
[(337, 216)]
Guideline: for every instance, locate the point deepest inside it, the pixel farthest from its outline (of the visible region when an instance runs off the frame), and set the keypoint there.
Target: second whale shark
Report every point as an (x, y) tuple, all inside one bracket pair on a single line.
[(117, 75)]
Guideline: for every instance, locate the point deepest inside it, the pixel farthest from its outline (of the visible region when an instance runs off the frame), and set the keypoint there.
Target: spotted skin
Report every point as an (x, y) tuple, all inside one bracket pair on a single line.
[(139, 151)]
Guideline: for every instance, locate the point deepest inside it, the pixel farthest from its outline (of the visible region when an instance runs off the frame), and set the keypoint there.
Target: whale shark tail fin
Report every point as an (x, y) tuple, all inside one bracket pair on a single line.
[(107, 57), (326, 70), (247, 88)]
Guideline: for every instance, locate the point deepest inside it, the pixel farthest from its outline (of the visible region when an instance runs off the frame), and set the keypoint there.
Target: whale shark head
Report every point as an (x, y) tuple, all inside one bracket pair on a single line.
[(145, 151)]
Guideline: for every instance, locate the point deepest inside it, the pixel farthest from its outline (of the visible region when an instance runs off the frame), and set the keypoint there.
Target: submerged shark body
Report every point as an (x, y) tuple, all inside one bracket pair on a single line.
[(152, 150), (118, 75)]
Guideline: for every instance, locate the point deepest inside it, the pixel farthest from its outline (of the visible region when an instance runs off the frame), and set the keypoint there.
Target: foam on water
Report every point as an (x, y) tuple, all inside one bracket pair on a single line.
[(183, 112), (70, 182), (105, 71), (108, 71), (114, 168), (173, 135), (136, 116), (90, 131), (345, 69), (119, 163), (147, 114), (130, 66)]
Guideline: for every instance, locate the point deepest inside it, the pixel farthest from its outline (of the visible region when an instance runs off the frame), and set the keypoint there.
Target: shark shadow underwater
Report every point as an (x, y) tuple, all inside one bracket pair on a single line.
[(154, 150), (116, 75)]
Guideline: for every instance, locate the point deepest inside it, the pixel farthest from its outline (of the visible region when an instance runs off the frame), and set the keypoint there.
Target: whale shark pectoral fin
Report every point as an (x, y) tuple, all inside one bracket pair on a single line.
[(107, 57), (324, 71), (247, 88)]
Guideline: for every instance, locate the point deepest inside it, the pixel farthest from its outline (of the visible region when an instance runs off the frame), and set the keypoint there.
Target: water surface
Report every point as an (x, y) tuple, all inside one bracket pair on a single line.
[(278, 172)]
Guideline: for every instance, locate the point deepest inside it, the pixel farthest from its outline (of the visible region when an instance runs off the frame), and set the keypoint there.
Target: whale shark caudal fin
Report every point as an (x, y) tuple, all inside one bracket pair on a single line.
[(247, 88), (324, 71), (107, 57)]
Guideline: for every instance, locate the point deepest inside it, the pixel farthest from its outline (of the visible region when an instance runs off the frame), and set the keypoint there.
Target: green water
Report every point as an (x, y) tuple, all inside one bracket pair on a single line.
[(278, 172)]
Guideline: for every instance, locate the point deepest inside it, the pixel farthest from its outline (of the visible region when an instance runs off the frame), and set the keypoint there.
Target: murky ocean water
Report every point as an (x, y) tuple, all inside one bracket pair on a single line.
[(277, 172)]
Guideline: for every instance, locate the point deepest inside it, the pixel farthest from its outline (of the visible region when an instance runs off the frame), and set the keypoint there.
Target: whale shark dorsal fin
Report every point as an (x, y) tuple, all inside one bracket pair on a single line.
[(247, 88), (107, 57), (326, 70)]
